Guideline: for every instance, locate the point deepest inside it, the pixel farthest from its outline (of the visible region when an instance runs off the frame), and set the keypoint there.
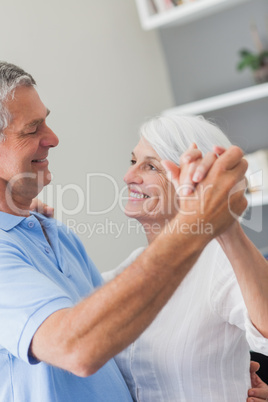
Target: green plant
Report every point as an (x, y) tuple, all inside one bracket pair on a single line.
[(254, 61)]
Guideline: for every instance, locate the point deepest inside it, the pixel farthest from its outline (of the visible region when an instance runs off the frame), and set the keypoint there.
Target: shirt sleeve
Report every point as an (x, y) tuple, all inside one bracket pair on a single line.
[(27, 298), (227, 301)]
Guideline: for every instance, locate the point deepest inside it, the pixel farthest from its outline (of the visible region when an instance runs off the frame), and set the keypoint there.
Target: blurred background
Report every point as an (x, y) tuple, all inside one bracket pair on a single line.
[(102, 74)]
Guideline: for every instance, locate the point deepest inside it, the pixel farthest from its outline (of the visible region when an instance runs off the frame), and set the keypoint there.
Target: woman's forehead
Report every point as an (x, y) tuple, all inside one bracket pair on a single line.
[(143, 148)]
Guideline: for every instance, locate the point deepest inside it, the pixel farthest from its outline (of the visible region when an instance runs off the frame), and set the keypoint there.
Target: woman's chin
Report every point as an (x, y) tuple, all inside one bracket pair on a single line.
[(131, 213)]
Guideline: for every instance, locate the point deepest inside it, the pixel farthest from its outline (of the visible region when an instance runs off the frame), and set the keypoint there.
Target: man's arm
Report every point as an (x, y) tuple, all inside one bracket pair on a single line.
[(83, 338)]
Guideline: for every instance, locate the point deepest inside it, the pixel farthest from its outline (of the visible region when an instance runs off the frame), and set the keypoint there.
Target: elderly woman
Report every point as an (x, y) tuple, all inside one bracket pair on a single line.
[(197, 348)]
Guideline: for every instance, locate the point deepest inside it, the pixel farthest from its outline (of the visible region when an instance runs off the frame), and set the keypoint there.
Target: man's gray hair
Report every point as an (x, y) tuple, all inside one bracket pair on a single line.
[(11, 77)]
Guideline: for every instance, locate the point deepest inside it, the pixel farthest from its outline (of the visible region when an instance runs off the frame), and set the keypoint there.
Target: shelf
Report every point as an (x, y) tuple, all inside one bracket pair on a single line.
[(222, 101), (182, 14), (257, 198)]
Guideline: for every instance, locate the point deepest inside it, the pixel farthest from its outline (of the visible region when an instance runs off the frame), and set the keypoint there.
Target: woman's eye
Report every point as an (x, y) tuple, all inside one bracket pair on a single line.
[(152, 167), (132, 162)]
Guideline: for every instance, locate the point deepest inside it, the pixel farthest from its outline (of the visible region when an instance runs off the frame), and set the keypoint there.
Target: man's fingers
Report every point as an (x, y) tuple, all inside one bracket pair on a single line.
[(191, 155), (218, 150), (238, 173), (204, 166), (231, 157)]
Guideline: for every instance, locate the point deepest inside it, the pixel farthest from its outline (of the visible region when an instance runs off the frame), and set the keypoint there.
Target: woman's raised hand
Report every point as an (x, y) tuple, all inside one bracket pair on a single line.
[(209, 188)]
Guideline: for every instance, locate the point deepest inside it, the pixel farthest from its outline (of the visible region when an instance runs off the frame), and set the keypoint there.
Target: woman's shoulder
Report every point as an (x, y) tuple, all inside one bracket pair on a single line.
[(134, 254), (107, 276)]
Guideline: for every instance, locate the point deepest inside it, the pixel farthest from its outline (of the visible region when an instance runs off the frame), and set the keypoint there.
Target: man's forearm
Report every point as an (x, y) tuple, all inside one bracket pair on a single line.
[(83, 338), (102, 325)]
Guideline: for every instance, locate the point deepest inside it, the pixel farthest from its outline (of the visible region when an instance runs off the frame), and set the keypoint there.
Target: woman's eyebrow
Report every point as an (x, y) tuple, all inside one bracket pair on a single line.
[(147, 158), (151, 158)]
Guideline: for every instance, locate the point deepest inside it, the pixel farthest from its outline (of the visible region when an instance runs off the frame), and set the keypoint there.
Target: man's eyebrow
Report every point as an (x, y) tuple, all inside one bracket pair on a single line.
[(36, 122)]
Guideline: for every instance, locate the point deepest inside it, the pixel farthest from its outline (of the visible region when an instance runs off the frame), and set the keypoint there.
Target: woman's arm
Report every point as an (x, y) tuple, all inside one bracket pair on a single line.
[(250, 267), (251, 270)]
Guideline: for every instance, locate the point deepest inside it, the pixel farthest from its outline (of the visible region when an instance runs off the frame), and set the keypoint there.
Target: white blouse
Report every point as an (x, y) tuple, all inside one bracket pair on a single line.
[(197, 348)]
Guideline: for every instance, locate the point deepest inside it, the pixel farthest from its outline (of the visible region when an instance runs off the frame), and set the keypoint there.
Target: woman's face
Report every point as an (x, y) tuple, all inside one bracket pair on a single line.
[(151, 196)]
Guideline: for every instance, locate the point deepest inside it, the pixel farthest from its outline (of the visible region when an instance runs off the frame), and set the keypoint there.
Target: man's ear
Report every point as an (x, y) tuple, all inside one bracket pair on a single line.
[(2, 138), (173, 172)]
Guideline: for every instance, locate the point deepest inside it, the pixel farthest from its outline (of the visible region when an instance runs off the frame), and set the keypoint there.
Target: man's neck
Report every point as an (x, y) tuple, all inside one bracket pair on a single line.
[(14, 200), (14, 207)]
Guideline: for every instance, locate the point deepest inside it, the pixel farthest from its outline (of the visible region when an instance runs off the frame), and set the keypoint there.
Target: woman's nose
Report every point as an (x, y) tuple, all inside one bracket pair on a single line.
[(133, 176)]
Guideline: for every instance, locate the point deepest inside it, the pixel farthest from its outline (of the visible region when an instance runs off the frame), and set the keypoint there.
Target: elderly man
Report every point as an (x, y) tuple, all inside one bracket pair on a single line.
[(58, 336)]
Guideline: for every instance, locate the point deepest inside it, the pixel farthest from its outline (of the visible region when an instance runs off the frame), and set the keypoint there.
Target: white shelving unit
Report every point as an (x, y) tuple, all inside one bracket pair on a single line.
[(222, 101), (181, 14)]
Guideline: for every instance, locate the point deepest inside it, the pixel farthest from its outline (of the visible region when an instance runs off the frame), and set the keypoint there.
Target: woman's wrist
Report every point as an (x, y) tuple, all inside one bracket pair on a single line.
[(231, 235)]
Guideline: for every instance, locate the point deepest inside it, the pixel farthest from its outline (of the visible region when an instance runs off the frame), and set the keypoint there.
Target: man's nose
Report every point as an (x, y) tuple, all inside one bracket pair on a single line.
[(49, 138)]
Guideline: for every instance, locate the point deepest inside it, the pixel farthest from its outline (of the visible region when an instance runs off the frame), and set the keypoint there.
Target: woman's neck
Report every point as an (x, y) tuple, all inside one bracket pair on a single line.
[(152, 230)]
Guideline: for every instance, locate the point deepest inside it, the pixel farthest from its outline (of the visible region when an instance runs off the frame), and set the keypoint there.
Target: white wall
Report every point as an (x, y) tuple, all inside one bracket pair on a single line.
[(101, 76)]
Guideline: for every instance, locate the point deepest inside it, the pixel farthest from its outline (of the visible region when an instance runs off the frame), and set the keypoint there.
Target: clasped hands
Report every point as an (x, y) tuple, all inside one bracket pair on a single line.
[(211, 187)]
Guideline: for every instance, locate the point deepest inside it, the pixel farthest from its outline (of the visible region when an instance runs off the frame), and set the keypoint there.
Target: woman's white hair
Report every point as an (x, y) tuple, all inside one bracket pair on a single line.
[(171, 135)]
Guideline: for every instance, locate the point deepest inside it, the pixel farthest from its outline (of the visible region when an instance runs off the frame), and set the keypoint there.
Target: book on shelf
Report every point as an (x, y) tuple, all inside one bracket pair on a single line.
[(161, 6)]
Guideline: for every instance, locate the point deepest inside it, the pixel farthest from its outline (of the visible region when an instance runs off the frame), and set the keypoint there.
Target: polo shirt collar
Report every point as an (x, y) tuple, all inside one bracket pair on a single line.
[(8, 221)]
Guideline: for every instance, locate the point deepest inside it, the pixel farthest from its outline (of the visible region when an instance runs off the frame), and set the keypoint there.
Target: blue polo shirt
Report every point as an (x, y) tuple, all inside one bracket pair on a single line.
[(37, 278)]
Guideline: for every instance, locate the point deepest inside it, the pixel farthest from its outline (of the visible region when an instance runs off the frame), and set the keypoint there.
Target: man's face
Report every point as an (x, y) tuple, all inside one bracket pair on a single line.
[(23, 154)]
